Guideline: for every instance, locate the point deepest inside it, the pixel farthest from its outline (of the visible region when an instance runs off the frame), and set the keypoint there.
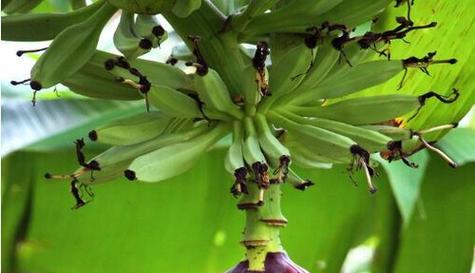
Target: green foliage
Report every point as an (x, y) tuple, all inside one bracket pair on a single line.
[(139, 227), (445, 224), (450, 39), (406, 182), (460, 145)]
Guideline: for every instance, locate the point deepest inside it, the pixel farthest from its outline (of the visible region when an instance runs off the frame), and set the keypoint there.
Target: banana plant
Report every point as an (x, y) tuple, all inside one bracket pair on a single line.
[(295, 100)]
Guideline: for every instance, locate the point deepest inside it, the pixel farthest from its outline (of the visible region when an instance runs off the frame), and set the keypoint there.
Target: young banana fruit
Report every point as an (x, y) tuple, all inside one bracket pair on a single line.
[(131, 130), (355, 79), (321, 142), (70, 50), (297, 182), (374, 109), (290, 61), (234, 161), (121, 153), (129, 43), (174, 159), (148, 27), (326, 58), (255, 159), (213, 92), (276, 153), (307, 162), (173, 102), (363, 110), (372, 141), (157, 73), (251, 149), (395, 133)]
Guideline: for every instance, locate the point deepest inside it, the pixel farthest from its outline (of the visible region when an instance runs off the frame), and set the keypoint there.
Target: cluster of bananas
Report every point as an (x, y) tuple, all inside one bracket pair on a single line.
[(291, 112), (286, 103)]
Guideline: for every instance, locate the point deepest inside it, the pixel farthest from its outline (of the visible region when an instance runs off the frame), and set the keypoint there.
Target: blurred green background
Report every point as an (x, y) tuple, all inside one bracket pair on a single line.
[(190, 223)]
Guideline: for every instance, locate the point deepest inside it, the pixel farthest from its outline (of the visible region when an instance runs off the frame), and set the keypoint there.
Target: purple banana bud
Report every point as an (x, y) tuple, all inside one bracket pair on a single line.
[(277, 262)]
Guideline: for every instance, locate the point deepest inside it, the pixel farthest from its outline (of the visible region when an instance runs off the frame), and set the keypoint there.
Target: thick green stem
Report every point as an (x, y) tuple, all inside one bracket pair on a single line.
[(254, 8), (220, 49), (263, 223)]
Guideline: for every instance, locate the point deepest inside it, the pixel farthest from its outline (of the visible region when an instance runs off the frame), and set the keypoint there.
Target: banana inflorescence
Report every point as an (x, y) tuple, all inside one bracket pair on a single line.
[(290, 108), (294, 111)]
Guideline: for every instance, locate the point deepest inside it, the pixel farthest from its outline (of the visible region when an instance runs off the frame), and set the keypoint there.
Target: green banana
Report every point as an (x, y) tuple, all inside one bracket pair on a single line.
[(70, 50), (313, 13), (234, 157), (234, 162), (349, 81), (311, 77), (291, 58), (395, 133), (131, 130), (276, 153), (157, 73), (308, 157), (251, 150), (211, 113), (148, 27), (20, 6), (94, 86), (43, 26), (175, 159), (407, 142), (363, 110), (173, 102), (163, 74), (321, 142), (274, 150), (144, 25), (99, 84), (401, 150), (87, 82), (307, 162), (256, 160), (107, 173), (130, 44), (118, 154), (213, 92), (183, 8), (178, 125), (297, 182), (250, 89), (368, 139), (292, 16), (325, 58), (355, 56)]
